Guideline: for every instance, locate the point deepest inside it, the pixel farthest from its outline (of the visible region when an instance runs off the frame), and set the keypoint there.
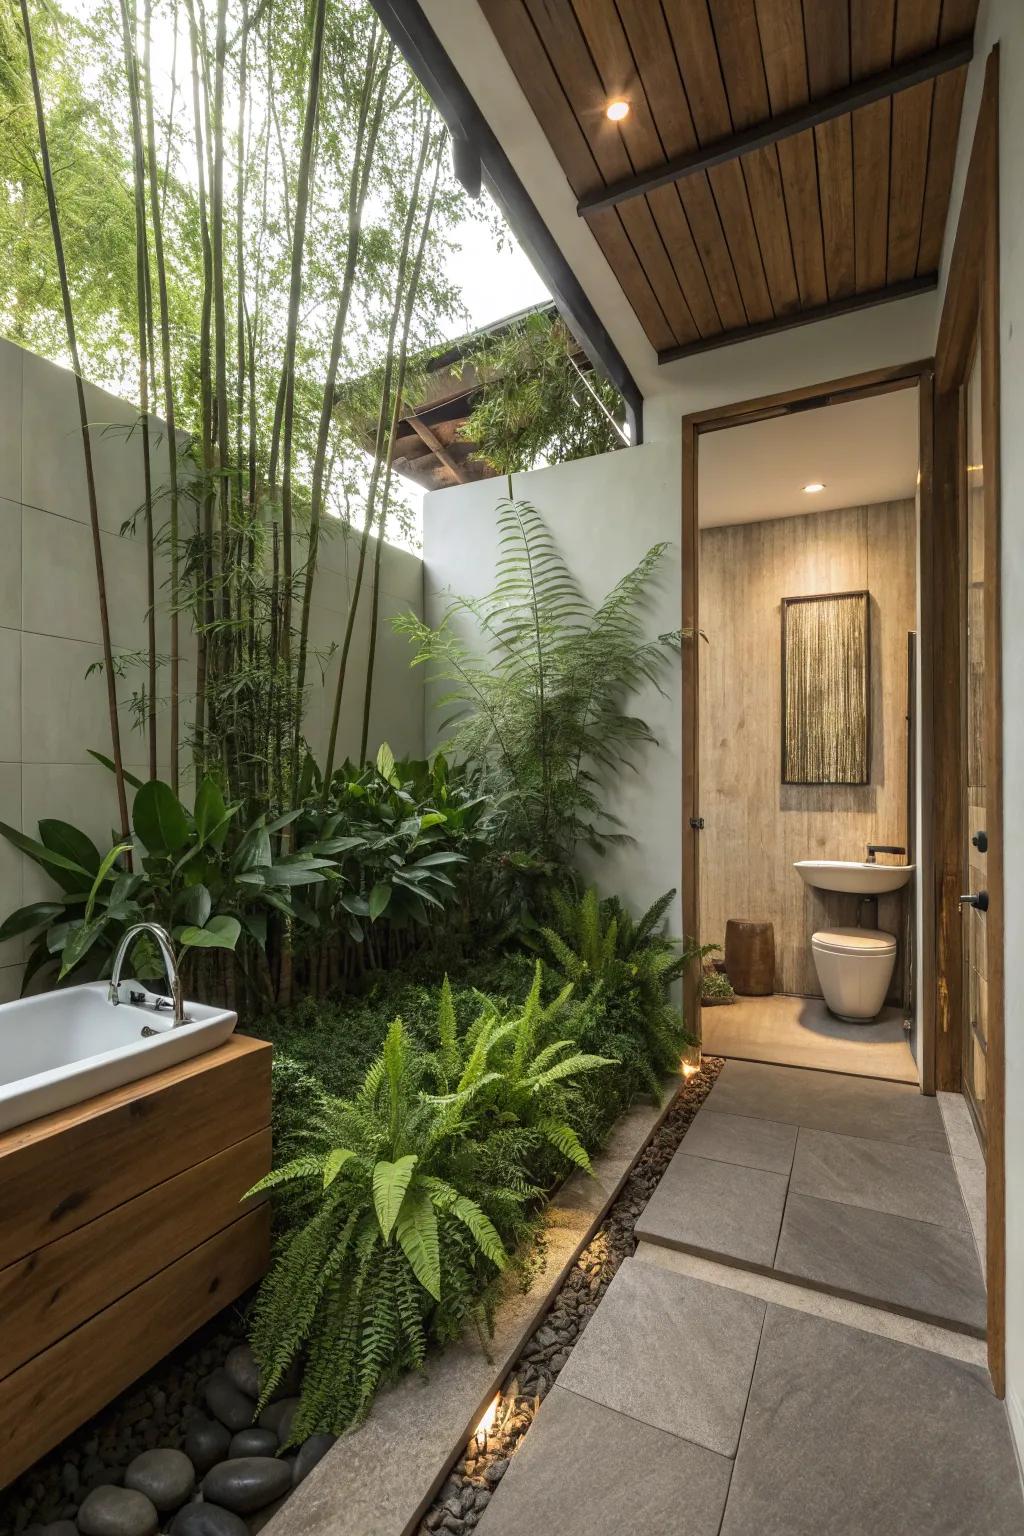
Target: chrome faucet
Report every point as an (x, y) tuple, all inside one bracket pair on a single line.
[(166, 948)]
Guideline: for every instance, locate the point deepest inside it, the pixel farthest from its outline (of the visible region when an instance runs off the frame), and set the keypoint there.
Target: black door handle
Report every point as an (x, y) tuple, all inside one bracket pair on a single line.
[(979, 902), (697, 823), (980, 841)]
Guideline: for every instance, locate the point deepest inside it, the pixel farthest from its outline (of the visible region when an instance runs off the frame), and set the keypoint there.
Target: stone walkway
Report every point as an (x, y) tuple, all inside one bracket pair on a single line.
[(769, 1360)]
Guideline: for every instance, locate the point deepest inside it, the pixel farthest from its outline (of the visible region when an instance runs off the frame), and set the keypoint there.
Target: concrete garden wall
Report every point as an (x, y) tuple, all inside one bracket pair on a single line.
[(51, 713), (605, 513)]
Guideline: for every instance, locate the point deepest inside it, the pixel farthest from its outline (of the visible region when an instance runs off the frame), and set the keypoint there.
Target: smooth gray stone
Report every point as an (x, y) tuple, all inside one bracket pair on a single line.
[(584, 1470), (166, 1477), (203, 1519), (235, 1409), (278, 1417), (929, 1271), (848, 1433), (767, 1144), (206, 1442), (244, 1372), (248, 1483), (672, 1351), (829, 1101), (905, 1181), (253, 1441), (111, 1511), (717, 1208), (310, 1452)]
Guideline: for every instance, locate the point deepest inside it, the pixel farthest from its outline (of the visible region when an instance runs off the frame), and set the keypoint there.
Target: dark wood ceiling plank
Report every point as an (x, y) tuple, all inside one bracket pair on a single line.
[(518, 39), (917, 28), (871, 37), (958, 18), (780, 23), (739, 50), (827, 32), (694, 59), (564, 53), (620, 74)]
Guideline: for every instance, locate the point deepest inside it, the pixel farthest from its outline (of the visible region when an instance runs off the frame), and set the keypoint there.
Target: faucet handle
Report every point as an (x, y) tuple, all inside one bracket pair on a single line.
[(874, 848)]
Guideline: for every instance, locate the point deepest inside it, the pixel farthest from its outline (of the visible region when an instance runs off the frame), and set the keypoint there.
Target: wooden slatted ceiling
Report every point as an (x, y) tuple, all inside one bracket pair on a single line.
[(850, 207)]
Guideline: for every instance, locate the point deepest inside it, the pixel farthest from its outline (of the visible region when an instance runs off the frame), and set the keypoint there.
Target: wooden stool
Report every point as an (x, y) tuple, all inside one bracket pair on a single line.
[(750, 957)]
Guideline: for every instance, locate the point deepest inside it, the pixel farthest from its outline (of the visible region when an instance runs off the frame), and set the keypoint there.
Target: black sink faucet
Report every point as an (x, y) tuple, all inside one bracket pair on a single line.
[(874, 848)]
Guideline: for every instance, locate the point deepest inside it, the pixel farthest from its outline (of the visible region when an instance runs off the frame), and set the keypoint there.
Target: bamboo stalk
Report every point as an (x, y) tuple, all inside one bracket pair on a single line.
[(367, 131), (156, 214), (90, 478), (396, 416), (383, 418), (142, 301)]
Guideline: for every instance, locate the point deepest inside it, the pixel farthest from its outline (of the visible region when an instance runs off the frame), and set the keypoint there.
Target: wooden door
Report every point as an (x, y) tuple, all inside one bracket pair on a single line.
[(976, 748)]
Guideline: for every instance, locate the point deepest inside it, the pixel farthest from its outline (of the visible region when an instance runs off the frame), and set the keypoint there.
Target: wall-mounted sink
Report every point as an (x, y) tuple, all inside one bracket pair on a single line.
[(860, 879)]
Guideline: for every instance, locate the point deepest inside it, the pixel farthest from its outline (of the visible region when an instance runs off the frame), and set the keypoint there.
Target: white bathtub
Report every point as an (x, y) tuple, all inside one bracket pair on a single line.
[(62, 1047)]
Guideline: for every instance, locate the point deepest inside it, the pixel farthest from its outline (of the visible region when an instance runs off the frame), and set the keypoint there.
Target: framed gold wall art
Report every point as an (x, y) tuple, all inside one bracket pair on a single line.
[(826, 689)]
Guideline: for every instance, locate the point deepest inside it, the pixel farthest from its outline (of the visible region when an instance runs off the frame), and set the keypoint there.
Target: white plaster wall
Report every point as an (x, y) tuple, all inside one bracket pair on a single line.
[(1002, 22), (605, 513), (50, 712)]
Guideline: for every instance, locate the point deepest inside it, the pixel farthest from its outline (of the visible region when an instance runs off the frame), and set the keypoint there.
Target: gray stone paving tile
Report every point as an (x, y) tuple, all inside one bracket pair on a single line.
[(718, 1208), (741, 1139), (830, 1101), (671, 1351), (584, 1470), (927, 1270), (854, 1435), (905, 1181)]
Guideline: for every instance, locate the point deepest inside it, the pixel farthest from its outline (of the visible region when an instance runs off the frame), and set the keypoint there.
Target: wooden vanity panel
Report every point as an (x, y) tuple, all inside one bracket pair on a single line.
[(121, 1232), (53, 1393), (51, 1291), (62, 1171)]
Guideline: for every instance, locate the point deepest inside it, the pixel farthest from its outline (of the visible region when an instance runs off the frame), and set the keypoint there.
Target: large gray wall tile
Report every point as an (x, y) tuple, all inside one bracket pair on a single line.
[(671, 1351), (10, 563), (718, 1208), (914, 1266), (584, 1470), (11, 370), (64, 705), (11, 862), (10, 696), (741, 1139), (906, 1181), (850, 1434), (830, 1101)]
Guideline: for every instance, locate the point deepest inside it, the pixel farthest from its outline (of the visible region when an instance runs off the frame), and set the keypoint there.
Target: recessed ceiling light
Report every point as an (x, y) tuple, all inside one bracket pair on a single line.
[(813, 487), (615, 111)]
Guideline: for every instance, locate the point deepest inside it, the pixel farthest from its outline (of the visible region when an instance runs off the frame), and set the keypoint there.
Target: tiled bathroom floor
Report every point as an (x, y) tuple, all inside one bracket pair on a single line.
[(800, 1032), (717, 1396)]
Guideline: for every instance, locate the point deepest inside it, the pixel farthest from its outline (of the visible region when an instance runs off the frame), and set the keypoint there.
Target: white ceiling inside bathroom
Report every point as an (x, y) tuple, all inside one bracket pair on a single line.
[(863, 451)]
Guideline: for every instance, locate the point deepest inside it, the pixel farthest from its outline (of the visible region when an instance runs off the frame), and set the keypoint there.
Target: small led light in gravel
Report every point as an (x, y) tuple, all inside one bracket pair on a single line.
[(483, 1428)]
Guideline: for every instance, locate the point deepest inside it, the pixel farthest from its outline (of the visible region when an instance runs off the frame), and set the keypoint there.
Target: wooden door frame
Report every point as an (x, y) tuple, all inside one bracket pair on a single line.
[(971, 308), (876, 381)]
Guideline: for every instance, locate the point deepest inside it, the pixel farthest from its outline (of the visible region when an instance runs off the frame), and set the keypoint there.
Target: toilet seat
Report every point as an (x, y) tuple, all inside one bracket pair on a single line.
[(854, 941)]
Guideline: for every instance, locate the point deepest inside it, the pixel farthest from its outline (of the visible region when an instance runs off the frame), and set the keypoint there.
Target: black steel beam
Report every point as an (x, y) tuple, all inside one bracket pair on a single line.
[(926, 66), (852, 302), (422, 50)]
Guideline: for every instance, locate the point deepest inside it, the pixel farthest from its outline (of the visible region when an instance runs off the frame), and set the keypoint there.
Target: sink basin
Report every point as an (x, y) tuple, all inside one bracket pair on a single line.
[(62, 1047), (861, 879)]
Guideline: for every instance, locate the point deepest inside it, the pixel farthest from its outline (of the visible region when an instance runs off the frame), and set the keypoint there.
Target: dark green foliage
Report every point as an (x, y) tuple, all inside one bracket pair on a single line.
[(622, 971), (399, 1249), (537, 404)]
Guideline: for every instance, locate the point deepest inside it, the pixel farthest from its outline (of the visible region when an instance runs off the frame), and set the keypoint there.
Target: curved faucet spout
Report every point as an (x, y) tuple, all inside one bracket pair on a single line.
[(166, 948)]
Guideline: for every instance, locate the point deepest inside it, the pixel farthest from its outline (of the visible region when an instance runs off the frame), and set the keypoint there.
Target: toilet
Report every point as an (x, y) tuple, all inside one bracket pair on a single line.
[(854, 967)]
